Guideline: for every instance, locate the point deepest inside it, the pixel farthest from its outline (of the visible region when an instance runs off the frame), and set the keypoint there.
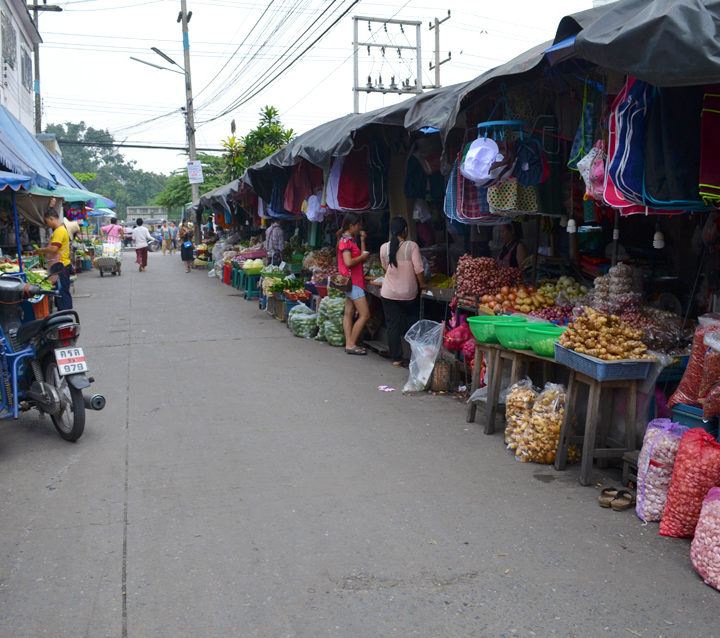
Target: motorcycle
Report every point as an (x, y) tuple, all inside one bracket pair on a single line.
[(40, 364)]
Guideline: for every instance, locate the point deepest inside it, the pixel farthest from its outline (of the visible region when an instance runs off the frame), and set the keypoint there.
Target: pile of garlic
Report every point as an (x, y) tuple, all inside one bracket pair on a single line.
[(705, 548), (655, 467)]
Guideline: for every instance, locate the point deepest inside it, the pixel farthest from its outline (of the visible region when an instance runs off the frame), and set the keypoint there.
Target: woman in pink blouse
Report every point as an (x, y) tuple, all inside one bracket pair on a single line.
[(400, 291)]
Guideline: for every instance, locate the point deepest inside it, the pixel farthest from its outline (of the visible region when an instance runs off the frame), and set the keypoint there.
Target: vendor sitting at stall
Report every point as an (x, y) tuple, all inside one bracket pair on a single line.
[(514, 252), (275, 243), (58, 250)]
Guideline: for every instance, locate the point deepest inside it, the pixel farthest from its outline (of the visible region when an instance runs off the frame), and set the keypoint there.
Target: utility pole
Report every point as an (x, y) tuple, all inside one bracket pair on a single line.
[(377, 86), (36, 8), (189, 114), (438, 62)]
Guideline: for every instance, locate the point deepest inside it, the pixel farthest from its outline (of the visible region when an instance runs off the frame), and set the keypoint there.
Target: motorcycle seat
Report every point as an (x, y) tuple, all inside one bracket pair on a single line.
[(32, 329)]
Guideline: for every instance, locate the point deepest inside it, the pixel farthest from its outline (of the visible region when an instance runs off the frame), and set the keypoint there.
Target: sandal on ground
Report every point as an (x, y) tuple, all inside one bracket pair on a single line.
[(607, 495), (355, 350), (623, 501)]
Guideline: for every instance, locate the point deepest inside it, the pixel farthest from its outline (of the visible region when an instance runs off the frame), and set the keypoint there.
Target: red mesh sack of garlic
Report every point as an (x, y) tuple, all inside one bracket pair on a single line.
[(688, 389), (705, 548), (697, 469)]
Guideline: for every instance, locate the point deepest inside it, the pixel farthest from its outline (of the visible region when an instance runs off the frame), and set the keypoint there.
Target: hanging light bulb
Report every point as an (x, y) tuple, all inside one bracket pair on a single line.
[(658, 239), (571, 226), (563, 221)]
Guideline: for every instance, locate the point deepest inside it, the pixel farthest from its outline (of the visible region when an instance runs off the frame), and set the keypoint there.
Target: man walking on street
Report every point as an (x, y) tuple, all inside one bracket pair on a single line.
[(58, 250), (141, 238)]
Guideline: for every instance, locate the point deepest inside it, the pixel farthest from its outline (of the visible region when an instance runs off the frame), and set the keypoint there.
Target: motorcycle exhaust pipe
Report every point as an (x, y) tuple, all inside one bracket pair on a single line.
[(94, 401)]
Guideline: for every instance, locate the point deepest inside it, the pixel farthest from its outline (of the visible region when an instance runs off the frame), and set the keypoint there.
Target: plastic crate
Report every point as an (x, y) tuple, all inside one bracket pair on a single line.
[(603, 370), (289, 305), (692, 417), (512, 334)]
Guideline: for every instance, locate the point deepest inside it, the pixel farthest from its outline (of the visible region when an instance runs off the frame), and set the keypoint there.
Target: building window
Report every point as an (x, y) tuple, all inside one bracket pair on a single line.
[(27, 71), (9, 41)]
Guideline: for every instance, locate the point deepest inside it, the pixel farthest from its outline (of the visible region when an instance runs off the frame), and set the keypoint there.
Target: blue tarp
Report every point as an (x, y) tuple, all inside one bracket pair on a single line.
[(14, 181), (22, 153)]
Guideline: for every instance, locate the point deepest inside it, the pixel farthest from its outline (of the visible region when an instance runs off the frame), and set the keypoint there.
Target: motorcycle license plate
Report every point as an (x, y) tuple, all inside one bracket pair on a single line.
[(70, 360)]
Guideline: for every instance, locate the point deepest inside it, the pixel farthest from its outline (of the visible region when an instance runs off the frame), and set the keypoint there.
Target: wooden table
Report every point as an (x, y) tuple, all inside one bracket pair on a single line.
[(495, 358), (595, 441)]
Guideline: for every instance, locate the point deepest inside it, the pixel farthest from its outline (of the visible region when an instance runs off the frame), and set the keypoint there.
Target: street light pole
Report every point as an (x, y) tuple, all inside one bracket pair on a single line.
[(189, 114)]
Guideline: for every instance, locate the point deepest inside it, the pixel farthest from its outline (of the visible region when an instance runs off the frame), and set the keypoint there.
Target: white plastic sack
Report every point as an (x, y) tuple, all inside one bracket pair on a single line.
[(425, 340)]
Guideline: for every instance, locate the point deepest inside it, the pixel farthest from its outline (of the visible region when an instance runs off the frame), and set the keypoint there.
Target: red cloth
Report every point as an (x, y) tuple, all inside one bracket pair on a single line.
[(356, 272), (305, 180), (354, 185)]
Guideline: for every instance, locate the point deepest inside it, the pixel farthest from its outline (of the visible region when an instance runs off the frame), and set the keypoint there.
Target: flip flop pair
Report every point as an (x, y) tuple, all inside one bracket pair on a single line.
[(619, 500), (356, 350)]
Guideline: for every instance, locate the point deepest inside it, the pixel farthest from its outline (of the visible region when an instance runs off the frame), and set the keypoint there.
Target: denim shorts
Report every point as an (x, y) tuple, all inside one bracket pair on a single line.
[(355, 293)]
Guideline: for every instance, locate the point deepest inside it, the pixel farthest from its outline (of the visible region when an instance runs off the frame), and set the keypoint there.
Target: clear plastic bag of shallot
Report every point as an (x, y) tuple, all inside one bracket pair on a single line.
[(655, 467)]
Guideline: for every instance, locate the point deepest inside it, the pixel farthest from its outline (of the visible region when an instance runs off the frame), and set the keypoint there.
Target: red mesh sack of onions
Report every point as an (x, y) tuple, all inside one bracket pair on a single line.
[(705, 547), (689, 387), (697, 469), (655, 467)]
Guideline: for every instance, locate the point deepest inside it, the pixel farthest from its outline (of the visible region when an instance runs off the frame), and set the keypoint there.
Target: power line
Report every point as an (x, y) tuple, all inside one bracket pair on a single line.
[(133, 145), (245, 97)]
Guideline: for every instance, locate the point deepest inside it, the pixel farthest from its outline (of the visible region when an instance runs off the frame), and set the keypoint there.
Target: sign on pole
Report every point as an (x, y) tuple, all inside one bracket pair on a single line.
[(195, 174)]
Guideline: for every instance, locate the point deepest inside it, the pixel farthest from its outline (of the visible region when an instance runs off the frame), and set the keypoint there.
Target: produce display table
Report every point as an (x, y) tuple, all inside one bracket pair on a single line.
[(595, 443), (495, 358)]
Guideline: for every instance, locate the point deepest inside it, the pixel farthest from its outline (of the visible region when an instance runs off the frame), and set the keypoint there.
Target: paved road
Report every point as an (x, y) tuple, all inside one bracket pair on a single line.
[(243, 482)]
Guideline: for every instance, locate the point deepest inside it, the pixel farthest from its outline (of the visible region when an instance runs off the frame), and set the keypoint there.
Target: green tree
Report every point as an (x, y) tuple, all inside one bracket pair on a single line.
[(178, 192), (102, 169), (269, 136), (240, 152), (234, 160)]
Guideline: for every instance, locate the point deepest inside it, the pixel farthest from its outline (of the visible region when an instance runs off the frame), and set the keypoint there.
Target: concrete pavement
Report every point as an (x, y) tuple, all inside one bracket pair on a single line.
[(244, 482)]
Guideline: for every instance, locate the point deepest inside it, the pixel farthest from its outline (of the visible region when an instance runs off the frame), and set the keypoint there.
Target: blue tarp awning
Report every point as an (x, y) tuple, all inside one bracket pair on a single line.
[(13, 181), (22, 153)]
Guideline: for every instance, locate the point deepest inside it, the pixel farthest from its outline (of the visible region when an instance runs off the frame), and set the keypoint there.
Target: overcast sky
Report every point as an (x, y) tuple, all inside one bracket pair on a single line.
[(87, 73)]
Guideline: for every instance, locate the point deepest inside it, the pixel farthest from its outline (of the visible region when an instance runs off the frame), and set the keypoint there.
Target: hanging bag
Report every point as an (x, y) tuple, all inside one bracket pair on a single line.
[(584, 135)]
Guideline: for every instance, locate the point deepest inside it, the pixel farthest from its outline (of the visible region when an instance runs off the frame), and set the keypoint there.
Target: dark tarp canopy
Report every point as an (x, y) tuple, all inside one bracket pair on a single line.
[(219, 198), (441, 109), (664, 42), (320, 144)]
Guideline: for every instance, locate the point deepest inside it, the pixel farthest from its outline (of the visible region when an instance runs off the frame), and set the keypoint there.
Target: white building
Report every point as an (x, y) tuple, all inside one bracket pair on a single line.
[(18, 36)]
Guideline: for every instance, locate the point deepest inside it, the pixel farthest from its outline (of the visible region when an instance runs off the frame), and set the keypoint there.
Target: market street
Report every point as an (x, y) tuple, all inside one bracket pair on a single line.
[(245, 482)]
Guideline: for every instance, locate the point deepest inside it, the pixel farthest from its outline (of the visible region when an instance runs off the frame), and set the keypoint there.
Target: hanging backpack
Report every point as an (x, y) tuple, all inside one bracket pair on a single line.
[(671, 149), (529, 167), (378, 176), (710, 146), (584, 135), (626, 167)]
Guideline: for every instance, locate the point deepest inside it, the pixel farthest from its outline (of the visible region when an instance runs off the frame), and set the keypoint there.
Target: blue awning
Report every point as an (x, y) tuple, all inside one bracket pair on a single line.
[(13, 181), (22, 153)]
